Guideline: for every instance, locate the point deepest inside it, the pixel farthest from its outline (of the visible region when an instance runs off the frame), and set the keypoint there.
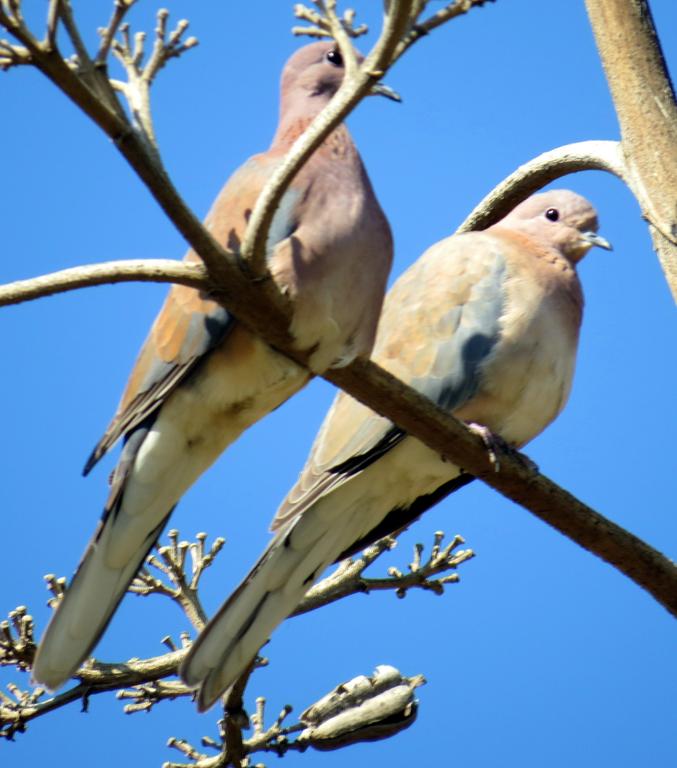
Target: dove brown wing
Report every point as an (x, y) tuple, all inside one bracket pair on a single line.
[(189, 324)]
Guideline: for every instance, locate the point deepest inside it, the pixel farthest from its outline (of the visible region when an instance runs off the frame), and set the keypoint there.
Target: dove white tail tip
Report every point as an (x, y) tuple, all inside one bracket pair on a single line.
[(208, 696), (50, 677), (81, 618)]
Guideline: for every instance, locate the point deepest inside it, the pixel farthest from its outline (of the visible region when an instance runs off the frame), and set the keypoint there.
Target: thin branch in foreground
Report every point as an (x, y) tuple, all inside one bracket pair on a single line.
[(355, 86)]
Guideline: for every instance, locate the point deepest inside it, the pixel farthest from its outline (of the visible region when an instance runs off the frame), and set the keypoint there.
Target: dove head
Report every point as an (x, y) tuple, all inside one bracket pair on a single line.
[(310, 78), (313, 74), (559, 219)]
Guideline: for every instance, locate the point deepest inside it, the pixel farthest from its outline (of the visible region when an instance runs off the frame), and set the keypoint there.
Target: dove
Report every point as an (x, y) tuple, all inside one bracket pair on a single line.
[(202, 378), (486, 325)]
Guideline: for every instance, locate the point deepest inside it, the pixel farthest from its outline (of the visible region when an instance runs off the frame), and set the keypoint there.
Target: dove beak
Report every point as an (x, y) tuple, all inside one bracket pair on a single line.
[(378, 89), (592, 238)]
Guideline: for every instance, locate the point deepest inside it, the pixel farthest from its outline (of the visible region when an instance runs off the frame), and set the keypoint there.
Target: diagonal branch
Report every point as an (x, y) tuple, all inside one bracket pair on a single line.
[(516, 480)]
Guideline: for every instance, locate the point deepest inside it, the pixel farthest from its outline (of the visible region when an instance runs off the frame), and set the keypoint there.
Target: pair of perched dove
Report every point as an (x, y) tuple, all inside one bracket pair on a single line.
[(485, 324)]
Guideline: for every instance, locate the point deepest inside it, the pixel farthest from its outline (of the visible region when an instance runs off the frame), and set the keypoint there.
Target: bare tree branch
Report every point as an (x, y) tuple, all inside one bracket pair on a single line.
[(349, 579), (172, 563), (536, 173), (97, 678), (517, 479), (646, 107), (418, 30), (138, 681), (146, 270)]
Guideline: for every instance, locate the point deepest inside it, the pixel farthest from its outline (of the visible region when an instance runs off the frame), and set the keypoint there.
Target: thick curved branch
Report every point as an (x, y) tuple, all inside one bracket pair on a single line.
[(536, 173), (141, 270), (647, 113)]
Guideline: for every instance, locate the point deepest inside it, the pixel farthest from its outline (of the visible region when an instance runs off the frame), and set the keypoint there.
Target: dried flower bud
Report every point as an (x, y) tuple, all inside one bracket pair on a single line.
[(362, 709)]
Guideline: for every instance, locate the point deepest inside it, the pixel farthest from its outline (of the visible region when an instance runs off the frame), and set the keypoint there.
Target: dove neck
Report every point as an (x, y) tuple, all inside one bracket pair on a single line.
[(293, 125)]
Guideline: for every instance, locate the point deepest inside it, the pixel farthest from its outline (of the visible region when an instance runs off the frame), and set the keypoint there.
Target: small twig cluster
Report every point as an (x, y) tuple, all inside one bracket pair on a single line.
[(12, 709), (420, 573), (131, 55), (349, 579), (17, 641), (171, 561), (90, 70), (140, 683), (322, 25), (273, 739), (11, 18)]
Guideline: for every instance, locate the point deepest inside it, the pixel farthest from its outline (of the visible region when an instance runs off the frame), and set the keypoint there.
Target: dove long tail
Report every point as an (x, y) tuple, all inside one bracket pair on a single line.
[(271, 591), (88, 605)]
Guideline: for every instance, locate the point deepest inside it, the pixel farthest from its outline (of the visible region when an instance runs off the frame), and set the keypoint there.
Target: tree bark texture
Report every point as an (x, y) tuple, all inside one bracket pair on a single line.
[(647, 113)]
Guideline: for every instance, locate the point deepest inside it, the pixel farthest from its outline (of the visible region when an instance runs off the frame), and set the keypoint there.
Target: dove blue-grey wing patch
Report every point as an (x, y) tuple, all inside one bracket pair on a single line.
[(456, 372), (285, 221)]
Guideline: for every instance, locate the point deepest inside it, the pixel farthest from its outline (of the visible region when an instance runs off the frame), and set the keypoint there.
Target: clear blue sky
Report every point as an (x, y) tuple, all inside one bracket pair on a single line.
[(542, 655)]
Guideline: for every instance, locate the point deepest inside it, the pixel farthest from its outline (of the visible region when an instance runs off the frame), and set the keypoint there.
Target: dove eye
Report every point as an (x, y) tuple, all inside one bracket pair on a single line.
[(552, 214), (334, 57)]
